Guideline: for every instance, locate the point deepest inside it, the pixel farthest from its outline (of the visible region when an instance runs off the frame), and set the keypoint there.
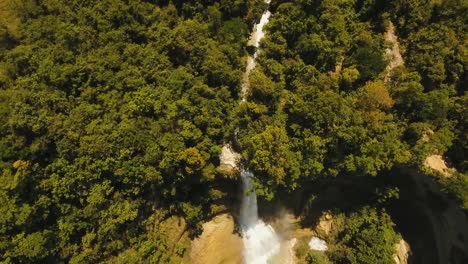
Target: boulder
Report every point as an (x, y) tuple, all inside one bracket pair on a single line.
[(402, 252), (229, 162), (437, 163), (325, 224)]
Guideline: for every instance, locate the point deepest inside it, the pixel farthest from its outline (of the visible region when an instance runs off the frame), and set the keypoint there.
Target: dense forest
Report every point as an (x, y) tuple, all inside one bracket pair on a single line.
[(113, 114)]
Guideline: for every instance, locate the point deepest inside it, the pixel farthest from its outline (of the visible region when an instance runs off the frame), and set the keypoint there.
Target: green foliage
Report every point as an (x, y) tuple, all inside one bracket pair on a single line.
[(30, 247), (459, 147), (457, 187), (367, 55), (322, 78), (317, 257), (367, 236), (262, 90), (273, 161), (112, 115)]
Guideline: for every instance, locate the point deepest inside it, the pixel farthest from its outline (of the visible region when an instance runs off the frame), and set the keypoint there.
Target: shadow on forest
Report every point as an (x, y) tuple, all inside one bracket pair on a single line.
[(433, 225), (429, 221)]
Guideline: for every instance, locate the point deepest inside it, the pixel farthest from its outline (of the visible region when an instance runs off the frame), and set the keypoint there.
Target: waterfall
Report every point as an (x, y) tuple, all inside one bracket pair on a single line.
[(255, 38), (261, 243)]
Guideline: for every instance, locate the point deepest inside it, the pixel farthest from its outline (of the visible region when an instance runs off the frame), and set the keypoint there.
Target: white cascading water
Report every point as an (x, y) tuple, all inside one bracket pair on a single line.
[(261, 243), (256, 37)]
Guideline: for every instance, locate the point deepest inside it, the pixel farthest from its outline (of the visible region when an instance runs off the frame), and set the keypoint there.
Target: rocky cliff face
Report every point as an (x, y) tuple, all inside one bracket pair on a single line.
[(434, 226)]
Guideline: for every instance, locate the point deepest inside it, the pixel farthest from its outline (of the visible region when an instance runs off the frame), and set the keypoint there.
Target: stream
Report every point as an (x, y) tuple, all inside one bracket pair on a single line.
[(261, 243)]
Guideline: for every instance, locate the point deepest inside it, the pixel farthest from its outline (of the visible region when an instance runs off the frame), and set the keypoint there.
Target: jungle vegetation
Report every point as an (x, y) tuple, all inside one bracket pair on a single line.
[(113, 114)]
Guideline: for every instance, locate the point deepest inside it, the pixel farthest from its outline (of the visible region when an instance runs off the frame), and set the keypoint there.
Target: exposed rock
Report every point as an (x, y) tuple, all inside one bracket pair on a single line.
[(218, 243), (251, 42), (339, 67), (292, 256), (427, 135), (229, 157), (437, 162), (403, 250), (392, 54), (325, 224), (229, 162)]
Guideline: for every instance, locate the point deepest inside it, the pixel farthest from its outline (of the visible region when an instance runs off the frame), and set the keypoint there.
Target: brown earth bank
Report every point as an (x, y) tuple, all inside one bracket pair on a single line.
[(218, 243)]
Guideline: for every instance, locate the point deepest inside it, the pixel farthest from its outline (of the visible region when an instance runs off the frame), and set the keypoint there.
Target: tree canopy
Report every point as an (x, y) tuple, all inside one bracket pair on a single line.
[(113, 114)]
